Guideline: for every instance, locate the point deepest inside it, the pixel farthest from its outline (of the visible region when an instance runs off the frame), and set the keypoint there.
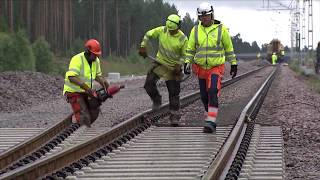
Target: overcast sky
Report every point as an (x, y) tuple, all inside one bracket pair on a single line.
[(249, 18)]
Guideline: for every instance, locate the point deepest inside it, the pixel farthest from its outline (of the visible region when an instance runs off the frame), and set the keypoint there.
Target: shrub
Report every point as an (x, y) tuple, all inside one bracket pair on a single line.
[(43, 55), (16, 52), (76, 47)]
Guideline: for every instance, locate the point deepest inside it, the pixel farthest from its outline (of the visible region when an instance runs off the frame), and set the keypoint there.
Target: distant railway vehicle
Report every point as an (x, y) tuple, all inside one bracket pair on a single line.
[(275, 46)]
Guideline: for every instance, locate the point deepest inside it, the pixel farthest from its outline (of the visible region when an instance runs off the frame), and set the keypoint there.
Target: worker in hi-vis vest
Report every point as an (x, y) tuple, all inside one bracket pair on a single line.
[(84, 68), (167, 65), (209, 46), (274, 58)]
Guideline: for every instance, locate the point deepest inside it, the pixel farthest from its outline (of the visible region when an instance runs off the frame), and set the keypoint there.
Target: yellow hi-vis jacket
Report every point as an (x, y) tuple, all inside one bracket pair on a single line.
[(274, 58), (172, 48), (80, 67), (210, 46)]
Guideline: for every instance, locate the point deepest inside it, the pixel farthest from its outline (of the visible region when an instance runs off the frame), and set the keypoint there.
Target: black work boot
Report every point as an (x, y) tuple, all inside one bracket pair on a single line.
[(156, 106), (174, 118), (156, 102), (210, 127)]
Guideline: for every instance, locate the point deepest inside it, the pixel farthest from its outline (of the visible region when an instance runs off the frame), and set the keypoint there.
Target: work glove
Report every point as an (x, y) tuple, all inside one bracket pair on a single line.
[(143, 52), (90, 92), (105, 84), (186, 68), (233, 71)]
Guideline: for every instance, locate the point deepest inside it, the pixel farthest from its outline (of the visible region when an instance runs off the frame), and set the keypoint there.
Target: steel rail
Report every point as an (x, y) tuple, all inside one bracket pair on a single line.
[(47, 165), (218, 165), (16, 152)]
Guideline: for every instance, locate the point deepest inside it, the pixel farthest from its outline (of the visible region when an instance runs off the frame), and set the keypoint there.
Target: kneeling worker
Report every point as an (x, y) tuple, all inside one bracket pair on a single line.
[(84, 68)]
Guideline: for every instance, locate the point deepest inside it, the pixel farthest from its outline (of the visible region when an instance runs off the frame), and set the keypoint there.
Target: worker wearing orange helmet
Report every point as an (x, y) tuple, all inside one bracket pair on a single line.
[(84, 68), (209, 46)]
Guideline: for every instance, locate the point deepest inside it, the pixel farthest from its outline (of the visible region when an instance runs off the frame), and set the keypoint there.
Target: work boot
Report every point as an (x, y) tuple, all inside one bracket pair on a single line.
[(74, 119), (174, 118), (209, 127), (156, 105), (85, 121)]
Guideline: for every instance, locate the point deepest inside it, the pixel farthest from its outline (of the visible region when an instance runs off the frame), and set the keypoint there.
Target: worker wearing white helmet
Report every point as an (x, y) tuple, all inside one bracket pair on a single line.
[(209, 46)]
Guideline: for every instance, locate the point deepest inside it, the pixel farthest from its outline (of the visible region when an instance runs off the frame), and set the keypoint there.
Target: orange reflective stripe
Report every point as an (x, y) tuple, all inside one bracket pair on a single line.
[(212, 114)]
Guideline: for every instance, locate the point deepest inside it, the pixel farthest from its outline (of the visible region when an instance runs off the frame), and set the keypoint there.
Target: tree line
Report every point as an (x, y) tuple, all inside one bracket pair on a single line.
[(65, 25), (118, 24)]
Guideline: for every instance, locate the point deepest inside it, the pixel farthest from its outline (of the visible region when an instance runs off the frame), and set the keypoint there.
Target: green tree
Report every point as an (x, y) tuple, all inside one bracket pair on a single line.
[(187, 24), (254, 47), (43, 55), (16, 52), (21, 52), (5, 43), (3, 24)]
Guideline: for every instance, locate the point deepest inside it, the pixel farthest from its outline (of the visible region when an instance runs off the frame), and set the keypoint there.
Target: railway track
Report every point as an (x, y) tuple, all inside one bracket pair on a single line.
[(9, 137), (169, 149)]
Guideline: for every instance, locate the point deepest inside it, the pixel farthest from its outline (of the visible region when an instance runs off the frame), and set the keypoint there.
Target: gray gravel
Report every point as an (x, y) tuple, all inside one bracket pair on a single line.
[(231, 101), (37, 100), (296, 108), (34, 100)]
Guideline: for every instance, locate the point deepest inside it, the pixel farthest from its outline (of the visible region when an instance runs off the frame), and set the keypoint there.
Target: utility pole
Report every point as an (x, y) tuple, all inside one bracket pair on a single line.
[(300, 37), (310, 25), (303, 30), (293, 8)]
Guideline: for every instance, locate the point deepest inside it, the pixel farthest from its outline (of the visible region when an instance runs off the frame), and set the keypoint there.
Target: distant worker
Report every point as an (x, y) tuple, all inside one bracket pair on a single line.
[(317, 64), (274, 58), (209, 47), (281, 58), (258, 56), (84, 68), (171, 53)]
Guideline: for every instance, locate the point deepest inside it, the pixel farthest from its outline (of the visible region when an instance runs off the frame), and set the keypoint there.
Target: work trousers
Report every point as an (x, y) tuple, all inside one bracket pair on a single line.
[(209, 96), (210, 85), (82, 112), (173, 87)]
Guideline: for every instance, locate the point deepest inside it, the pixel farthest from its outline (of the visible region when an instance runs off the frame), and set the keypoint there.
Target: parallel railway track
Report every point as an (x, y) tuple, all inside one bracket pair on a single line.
[(140, 132)]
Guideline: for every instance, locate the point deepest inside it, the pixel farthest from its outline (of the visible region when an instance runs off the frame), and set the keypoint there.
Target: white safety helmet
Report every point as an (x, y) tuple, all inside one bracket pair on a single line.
[(204, 9)]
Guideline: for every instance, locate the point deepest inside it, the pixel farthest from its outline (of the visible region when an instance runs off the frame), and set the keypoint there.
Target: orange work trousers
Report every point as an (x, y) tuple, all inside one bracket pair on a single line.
[(210, 84)]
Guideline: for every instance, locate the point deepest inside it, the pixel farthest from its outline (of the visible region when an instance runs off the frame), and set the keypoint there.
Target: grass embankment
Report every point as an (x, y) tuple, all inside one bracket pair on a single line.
[(312, 80)]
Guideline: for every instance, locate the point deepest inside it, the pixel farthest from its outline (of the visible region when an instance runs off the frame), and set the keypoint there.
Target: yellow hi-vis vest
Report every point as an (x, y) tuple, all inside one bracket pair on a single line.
[(80, 67), (210, 46), (172, 48), (274, 58)]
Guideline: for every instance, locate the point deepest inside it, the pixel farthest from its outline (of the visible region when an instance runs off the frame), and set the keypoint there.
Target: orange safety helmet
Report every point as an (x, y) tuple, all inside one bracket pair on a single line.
[(93, 46)]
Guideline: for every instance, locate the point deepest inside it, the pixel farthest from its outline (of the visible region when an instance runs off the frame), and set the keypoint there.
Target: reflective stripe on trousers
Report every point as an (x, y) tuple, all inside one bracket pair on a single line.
[(210, 85)]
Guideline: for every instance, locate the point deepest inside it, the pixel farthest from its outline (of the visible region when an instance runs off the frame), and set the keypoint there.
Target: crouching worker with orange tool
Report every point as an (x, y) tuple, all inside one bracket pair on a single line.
[(84, 68)]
